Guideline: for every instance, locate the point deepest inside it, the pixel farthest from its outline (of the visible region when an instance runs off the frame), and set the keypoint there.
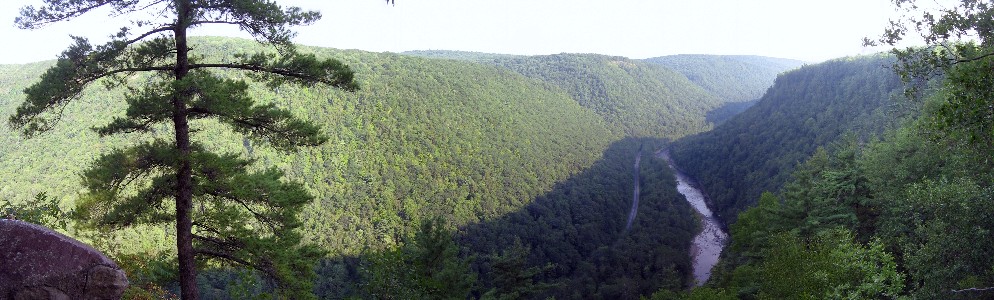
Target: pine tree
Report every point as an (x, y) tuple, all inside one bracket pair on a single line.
[(427, 266), (243, 218)]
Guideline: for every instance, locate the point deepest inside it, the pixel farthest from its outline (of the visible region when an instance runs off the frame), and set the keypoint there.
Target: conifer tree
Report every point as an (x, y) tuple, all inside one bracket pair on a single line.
[(243, 218)]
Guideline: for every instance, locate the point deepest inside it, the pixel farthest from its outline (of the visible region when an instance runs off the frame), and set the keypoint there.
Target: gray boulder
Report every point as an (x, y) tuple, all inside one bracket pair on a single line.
[(39, 263)]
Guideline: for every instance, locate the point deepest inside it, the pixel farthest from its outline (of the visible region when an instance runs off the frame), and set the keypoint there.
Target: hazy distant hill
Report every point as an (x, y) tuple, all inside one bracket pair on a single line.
[(634, 97), (479, 57), (631, 94), (733, 78), (756, 150)]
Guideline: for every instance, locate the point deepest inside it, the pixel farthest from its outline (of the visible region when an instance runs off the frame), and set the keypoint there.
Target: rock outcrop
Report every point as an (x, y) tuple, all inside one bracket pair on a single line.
[(39, 263)]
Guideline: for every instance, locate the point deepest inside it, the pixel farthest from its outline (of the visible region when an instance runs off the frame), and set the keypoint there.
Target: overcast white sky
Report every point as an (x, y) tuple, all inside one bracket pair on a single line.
[(810, 30)]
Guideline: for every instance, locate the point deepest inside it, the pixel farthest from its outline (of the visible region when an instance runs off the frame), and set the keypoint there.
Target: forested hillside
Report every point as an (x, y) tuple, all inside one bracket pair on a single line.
[(733, 78), (906, 215), (901, 215), (479, 57), (423, 137), (633, 93), (634, 97), (578, 229), (500, 159), (813, 106)]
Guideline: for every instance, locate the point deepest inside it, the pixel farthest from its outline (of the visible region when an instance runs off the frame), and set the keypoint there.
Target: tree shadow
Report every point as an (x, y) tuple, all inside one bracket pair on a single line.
[(579, 228)]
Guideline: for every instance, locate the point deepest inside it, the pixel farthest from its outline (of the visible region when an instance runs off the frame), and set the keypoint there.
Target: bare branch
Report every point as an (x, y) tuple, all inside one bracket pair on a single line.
[(259, 216), (150, 32), (123, 70), (966, 60), (252, 67), (217, 22)]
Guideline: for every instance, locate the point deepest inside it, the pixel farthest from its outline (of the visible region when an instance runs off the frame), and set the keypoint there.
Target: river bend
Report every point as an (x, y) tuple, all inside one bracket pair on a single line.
[(707, 245)]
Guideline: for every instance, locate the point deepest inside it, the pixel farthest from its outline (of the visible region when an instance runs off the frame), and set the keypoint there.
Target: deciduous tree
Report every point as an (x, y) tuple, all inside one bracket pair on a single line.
[(943, 29)]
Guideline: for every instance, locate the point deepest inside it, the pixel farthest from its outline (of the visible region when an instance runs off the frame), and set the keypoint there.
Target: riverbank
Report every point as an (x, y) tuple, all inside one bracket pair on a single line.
[(709, 242)]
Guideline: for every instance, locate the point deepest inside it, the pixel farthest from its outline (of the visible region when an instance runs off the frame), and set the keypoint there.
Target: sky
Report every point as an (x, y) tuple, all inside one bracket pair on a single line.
[(809, 30)]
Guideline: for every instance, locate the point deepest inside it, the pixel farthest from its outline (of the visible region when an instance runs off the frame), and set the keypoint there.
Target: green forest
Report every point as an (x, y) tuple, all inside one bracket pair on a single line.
[(875, 185), (900, 214), (813, 106), (733, 78), (504, 159), (319, 173)]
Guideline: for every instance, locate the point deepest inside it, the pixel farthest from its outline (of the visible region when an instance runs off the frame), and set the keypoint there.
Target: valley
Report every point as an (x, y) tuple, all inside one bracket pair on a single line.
[(503, 150), (254, 167), (712, 238), (470, 175)]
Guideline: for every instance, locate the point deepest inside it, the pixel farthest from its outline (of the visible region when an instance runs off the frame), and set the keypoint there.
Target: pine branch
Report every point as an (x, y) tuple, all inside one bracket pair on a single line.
[(258, 216), (341, 80), (31, 18), (124, 70), (225, 256)]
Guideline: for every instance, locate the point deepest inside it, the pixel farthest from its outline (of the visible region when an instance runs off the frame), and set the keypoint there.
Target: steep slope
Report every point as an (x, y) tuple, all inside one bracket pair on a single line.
[(634, 97), (578, 229), (733, 78), (481, 146), (806, 108), (903, 216), (632, 94), (423, 137)]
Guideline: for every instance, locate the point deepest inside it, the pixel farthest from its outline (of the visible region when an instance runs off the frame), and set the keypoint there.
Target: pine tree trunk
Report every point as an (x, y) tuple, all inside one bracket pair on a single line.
[(184, 174)]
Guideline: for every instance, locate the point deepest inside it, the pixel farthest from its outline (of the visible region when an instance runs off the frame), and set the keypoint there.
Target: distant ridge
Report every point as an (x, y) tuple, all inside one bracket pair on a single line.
[(733, 78), (738, 79), (479, 57)]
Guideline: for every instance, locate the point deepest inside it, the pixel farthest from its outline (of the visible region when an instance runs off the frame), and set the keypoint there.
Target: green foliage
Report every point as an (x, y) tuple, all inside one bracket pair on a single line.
[(967, 107), (830, 266), (757, 150), (898, 195), (697, 293), (754, 227), (733, 78), (942, 28), (464, 141), (512, 276), (937, 227), (409, 145), (939, 220), (42, 210), (727, 111), (578, 228), (917, 202), (425, 267), (244, 219), (828, 191), (469, 142), (634, 97)]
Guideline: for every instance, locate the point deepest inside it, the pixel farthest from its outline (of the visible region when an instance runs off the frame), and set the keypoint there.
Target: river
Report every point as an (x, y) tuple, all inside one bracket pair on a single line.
[(707, 245)]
